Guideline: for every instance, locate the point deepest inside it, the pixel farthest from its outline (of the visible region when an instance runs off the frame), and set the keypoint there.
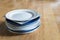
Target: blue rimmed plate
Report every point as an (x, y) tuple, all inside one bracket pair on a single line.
[(22, 16), (24, 27), (24, 31)]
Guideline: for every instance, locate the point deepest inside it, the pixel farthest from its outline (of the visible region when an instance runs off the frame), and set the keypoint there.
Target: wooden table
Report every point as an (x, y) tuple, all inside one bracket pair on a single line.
[(50, 24)]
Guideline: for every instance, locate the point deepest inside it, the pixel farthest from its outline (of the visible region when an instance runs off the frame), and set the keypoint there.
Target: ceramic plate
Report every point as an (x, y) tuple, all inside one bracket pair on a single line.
[(24, 27), (24, 32), (22, 23), (22, 15)]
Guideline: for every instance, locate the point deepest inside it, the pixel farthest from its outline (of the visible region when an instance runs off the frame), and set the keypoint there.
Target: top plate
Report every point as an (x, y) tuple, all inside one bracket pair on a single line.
[(21, 15)]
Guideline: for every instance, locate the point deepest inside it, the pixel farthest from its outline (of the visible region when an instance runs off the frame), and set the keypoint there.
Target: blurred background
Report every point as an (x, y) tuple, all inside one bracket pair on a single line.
[(50, 17)]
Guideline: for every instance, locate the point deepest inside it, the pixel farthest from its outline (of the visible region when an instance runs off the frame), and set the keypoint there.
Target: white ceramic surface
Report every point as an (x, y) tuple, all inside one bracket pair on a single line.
[(24, 32), (21, 15), (26, 27)]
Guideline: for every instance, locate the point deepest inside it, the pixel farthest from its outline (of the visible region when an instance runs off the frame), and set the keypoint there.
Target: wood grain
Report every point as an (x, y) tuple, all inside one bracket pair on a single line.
[(49, 28)]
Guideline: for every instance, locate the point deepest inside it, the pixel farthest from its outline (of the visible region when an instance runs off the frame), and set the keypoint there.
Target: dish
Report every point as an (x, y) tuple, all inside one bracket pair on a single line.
[(25, 15), (24, 32), (24, 27), (21, 23)]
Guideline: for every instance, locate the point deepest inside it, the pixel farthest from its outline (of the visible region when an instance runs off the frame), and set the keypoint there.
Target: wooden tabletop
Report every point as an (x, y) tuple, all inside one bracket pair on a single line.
[(50, 22)]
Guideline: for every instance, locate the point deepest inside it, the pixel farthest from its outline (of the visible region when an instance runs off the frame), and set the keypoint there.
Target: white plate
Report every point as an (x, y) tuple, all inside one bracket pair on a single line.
[(26, 27), (21, 15), (23, 32)]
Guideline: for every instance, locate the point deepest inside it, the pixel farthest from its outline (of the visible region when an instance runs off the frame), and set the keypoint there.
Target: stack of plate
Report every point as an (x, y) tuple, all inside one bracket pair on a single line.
[(22, 21)]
